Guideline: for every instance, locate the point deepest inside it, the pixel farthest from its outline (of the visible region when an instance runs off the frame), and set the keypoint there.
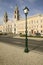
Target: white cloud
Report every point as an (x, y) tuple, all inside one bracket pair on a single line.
[(21, 1), (37, 11), (11, 6), (10, 15), (31, 1)]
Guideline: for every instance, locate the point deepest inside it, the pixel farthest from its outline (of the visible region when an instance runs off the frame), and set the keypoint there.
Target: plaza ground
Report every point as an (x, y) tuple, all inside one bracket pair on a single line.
[(33, 38), (15, 55)]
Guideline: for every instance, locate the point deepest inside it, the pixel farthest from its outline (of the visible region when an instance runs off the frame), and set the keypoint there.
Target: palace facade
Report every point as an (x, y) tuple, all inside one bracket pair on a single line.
[(17, 25)]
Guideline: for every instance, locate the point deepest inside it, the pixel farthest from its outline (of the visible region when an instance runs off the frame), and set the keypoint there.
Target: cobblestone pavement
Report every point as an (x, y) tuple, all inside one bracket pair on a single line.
[(14, 55)]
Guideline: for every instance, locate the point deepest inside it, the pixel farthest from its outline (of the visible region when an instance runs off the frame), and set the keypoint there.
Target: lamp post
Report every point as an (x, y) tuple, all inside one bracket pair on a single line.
[(26, 40)]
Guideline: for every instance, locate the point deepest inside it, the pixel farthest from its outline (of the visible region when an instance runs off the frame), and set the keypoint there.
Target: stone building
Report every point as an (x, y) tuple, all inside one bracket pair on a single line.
[(1, 28), (17, 25)]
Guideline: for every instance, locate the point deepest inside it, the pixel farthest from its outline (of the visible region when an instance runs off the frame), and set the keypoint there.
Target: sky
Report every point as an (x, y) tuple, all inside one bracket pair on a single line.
[(35, 7)]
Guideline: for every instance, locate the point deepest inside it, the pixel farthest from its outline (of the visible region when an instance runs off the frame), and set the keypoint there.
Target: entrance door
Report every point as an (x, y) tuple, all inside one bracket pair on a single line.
[(32, 31)]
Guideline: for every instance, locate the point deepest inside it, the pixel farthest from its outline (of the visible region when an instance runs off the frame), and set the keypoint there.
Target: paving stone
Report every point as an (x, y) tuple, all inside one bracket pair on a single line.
[(14, 55)]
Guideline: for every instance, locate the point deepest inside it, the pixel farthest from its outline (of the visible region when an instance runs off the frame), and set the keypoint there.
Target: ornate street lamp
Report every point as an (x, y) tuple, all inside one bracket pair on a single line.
[(26, 40)]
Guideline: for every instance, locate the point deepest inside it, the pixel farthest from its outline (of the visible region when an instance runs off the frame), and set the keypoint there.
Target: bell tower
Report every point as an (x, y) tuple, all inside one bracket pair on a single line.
[(16, 13), (5, 17)]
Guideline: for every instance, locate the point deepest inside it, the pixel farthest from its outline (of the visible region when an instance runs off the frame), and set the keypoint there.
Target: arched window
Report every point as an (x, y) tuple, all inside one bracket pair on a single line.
[(15, 12)]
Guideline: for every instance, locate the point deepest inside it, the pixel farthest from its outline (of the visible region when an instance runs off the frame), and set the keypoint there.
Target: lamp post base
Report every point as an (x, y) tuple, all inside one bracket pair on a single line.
[(26, 50)]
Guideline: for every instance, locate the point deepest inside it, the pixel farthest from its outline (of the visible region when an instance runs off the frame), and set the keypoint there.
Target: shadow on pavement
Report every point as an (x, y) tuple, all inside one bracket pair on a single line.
[(32, 44)]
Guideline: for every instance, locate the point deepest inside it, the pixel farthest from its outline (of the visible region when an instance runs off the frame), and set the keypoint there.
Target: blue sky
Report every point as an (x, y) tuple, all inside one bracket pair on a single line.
[(35, 6)]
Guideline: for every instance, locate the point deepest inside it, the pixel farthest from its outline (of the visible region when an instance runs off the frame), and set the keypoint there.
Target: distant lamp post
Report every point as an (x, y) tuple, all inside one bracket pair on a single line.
[(26, 40)]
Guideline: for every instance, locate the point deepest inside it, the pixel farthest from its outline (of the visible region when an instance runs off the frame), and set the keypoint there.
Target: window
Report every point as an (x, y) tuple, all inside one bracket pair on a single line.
[(11, 26), (14, 24), (15, 16), (41, 31), (41, 20), (37, 31), (10, 29), (37, 26), (6, 30), (8, 26), (15, 12), (41, 26), (14, 29), (37, 21), (32, 21)]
